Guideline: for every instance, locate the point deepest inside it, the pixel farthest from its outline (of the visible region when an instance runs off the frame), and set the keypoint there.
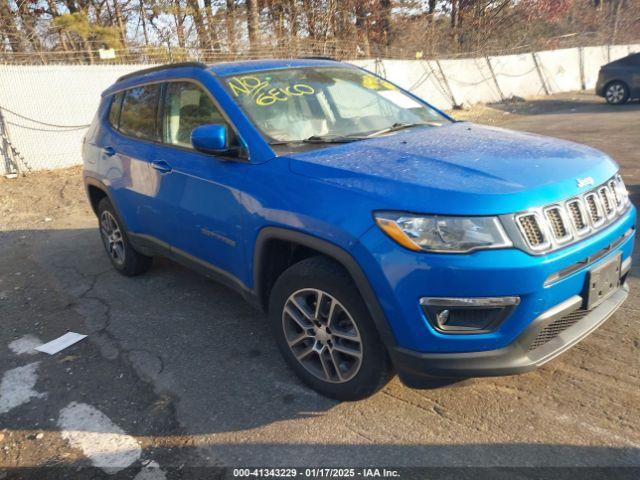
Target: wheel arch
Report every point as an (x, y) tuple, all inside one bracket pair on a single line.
[(96, 191), (274, 237), (616, 80)]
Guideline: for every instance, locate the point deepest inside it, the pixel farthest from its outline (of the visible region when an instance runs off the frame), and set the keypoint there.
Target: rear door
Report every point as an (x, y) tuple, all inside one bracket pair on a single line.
[(127, 154)]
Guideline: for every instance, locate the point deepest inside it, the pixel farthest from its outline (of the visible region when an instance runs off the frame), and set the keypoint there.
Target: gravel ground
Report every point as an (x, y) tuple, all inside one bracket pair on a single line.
[(178, 371)]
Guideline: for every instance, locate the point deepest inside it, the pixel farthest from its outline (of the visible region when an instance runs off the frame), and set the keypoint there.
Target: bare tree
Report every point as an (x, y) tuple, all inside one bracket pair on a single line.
[(9, 28)]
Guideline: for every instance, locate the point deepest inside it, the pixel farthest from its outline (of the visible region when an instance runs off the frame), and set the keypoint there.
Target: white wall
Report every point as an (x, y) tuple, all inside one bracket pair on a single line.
[(69, 94), (53, 94)]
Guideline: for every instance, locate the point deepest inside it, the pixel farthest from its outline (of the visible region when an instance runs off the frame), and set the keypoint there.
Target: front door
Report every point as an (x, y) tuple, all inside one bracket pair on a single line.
[(199, 192)]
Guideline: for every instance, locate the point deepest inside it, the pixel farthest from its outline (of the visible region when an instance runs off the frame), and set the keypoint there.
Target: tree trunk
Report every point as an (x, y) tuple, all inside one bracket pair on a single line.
[(179, 19), (616, 21), (455, 20), (117, 10), (385, 22), (143, 20), (87, 49), (362, 27), (211, 26), (230, 21), (201, 31), (310, 14), (293, 27), (62, 35), (253, 22)]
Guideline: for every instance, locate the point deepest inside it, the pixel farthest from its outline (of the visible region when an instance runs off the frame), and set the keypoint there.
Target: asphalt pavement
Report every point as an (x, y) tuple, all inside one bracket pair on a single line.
[(178, 371)]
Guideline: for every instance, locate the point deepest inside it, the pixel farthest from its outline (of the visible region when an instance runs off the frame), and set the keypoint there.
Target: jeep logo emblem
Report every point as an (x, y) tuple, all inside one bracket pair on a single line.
[(584, 182)]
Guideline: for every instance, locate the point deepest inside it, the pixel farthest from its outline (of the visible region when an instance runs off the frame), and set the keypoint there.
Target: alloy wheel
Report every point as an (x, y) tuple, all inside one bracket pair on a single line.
[(322, 335), (615, 93), (112, 237)]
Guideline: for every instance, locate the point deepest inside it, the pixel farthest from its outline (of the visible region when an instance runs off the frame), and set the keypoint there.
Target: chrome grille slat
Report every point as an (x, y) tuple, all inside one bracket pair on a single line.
[(594, 206), (614, 191), (578, 216), (558, 223), (552, 226), (607, 202), (532, 231)]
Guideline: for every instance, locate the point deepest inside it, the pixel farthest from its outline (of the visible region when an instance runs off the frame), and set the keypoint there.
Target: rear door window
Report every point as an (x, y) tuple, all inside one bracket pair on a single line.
[(139, 109)]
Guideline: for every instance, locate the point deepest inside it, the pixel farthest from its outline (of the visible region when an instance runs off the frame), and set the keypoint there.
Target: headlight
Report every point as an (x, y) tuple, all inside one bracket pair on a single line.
[(434, 233), (620, 191)]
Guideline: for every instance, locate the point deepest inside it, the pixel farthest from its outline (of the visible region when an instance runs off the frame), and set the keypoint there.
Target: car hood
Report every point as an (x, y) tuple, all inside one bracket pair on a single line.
[(461, 168)]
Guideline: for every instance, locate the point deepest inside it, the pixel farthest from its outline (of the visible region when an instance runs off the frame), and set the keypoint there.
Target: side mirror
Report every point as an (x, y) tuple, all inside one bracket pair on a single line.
[(210, 139)]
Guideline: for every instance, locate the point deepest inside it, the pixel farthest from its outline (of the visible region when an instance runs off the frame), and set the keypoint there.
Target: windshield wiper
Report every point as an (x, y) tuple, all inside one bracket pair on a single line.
[(395, 127), (348, 138), (318, 139), (328, 139)]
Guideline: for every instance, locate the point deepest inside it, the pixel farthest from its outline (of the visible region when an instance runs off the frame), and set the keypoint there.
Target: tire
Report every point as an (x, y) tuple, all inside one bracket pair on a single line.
[(124, 258), (616, 93), (341, 355)]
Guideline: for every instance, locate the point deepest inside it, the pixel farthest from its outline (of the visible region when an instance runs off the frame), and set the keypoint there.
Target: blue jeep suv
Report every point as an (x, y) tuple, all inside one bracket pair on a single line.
[(379, 234)]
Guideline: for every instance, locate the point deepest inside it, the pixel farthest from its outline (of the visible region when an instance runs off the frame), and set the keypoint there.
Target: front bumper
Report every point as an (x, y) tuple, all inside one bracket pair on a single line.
[(400, 278), (518, 357)]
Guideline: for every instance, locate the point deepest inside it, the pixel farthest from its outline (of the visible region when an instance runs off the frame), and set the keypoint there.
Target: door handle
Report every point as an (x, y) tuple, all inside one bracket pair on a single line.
[(109, 151), (161, 166)]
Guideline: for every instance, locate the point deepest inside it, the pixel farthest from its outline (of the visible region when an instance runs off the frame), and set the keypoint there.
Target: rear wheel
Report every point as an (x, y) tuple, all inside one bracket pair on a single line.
[(325, 332), (616, 93), (124, 258)]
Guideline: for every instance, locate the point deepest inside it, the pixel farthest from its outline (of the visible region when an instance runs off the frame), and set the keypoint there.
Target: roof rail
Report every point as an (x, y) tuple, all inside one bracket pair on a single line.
[(319, 57), (162, 67)]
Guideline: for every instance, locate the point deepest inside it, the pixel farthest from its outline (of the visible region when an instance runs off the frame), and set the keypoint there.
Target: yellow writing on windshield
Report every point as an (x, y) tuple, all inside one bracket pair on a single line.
[(262, 92)]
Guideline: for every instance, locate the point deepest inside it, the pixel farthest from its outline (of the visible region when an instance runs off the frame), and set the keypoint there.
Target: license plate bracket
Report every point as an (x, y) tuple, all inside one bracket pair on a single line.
[(603, 280)]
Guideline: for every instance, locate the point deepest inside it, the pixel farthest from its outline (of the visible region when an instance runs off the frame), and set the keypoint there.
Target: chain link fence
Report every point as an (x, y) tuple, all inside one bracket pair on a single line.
[(46, 108)]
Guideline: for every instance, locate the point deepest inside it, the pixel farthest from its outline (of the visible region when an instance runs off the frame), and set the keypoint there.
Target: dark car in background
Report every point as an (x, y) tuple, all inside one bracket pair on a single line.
[(619, 80)]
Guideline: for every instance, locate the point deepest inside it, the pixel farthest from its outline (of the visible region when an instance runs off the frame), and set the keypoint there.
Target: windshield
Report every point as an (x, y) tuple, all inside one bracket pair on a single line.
[(306, 104)]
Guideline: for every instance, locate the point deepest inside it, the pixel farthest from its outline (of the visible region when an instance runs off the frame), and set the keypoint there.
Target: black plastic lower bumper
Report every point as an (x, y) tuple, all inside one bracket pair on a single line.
[(417, 369)]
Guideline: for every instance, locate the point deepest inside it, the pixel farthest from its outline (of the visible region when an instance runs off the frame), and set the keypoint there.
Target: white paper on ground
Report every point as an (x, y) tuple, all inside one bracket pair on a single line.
[(60, 343), (400, 99)]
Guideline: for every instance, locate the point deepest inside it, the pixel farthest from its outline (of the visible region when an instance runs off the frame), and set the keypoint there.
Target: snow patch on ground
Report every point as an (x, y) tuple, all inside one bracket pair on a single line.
[(105, 444), (151, 471), (25, 345), (17, 385)]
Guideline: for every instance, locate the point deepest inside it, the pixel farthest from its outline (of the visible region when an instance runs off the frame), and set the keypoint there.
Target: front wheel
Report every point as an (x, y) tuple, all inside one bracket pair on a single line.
[(325, 332), (616, 93)]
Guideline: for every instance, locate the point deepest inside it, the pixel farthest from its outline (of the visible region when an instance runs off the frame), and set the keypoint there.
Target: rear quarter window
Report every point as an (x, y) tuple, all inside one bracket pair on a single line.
[(138, 114), (114, 110)]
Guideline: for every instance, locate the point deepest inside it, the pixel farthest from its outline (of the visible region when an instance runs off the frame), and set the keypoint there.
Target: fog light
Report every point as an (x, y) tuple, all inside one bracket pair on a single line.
[(467, 315)]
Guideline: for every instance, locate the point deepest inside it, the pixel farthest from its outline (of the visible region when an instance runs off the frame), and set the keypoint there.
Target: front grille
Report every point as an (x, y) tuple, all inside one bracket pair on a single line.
[(531, 229), (556, 327), (547, 228)]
